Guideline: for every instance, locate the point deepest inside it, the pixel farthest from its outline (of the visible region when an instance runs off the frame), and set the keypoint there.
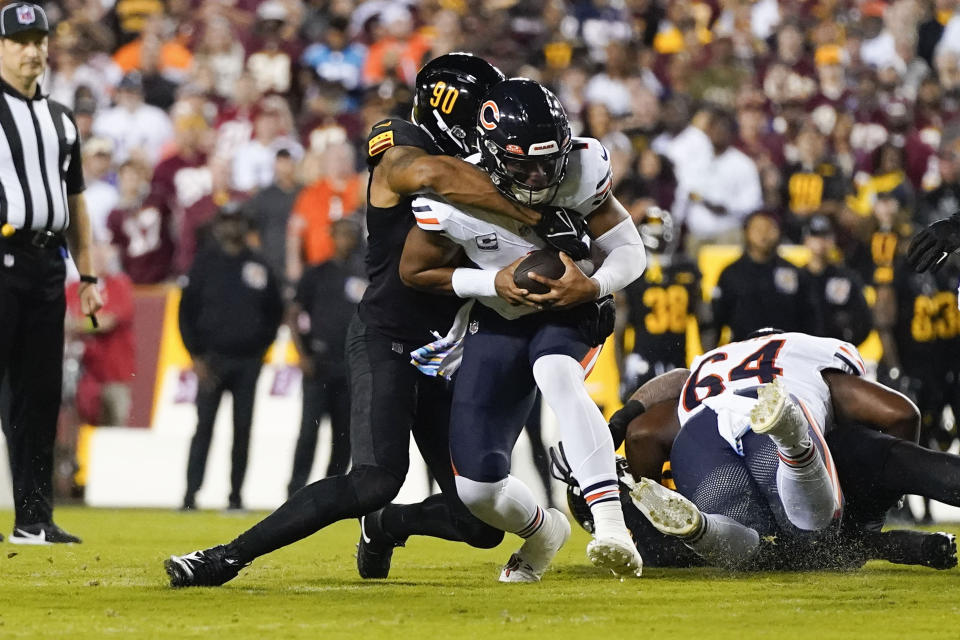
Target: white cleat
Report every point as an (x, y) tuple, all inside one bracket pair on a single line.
[(530, 562), (616, 552), (777, 415), (668, 511)]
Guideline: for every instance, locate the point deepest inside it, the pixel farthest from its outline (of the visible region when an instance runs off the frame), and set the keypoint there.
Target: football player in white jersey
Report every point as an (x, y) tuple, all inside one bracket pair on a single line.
[(872, 438), (516, 341), (751, 452)]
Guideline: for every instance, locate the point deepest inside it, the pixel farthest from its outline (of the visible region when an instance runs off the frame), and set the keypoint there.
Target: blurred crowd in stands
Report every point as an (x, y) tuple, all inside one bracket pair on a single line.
[(835, 118)]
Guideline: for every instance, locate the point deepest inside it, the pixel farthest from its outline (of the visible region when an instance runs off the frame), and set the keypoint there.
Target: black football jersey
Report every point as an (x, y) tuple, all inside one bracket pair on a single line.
[(388, 305), (928, 322), (660, 303)]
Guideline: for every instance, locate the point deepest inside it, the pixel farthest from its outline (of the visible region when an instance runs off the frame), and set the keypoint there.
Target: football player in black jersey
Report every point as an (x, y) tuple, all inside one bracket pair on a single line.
[(658, 306), (390, 398)]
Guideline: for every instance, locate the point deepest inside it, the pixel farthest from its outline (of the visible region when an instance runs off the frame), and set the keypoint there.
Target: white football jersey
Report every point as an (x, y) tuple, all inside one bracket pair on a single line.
[(494, 242), (587, 179), (797, 358)]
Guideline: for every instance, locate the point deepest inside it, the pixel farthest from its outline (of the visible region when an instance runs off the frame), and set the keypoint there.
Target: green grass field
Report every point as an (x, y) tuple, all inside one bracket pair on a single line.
[(114, 585)]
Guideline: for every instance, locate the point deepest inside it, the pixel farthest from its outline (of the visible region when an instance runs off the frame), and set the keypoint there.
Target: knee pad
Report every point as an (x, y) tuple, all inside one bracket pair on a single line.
[(373, 486), (557, 374), (479, 497)]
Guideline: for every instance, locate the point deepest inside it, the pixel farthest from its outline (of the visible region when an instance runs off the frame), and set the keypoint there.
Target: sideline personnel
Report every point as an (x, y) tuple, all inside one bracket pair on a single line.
[(42, 211)]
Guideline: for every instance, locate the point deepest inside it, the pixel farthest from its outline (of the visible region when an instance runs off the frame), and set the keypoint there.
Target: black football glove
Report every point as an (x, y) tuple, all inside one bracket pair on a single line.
[(931, 247), (563, 230)]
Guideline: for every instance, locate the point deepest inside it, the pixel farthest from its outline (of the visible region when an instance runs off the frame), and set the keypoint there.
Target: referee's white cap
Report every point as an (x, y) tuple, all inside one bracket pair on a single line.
[(22, 16)]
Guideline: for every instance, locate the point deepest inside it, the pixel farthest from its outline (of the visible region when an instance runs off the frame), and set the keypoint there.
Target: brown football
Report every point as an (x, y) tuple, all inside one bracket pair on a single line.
[(543, 262)]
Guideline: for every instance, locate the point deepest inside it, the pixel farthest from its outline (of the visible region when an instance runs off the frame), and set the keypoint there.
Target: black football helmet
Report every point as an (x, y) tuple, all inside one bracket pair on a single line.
[(524, 140), (448, 95)]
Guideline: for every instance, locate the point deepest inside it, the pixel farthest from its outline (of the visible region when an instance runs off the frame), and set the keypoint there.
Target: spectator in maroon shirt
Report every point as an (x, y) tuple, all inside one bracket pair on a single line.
[(195, 223), (141, 229), (179, 180)]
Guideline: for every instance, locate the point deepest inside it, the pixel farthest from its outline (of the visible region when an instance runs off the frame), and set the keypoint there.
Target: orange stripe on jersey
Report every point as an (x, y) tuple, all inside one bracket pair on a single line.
[(428, 220), (856, 359), (454, 467), (590, 360)]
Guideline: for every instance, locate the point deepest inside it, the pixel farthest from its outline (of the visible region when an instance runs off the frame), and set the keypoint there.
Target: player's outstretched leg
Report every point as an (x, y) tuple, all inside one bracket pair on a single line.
[(810, 496), (509, 505), (589, 450), (716, 538)]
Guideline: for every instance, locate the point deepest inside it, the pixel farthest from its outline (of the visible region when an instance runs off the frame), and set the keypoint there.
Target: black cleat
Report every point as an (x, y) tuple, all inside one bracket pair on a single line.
[(375, 549), (42, 534), (207, 568), (935, 550)]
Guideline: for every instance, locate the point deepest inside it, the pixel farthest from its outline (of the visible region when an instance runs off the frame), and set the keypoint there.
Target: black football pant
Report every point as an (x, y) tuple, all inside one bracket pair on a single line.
[(32, 308), (238, 375), (327, 394), (390, 399)]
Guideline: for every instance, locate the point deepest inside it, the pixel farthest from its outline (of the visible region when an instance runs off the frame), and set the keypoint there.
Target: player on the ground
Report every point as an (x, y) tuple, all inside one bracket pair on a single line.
[(509, 349), (389, 399), (871, 467)]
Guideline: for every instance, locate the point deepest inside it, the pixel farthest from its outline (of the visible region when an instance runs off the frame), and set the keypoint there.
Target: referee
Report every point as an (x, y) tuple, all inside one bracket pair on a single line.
[(42, 212)]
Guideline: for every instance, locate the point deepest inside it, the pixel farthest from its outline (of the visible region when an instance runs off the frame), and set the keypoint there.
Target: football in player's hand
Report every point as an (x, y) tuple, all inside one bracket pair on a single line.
[(543, 262)]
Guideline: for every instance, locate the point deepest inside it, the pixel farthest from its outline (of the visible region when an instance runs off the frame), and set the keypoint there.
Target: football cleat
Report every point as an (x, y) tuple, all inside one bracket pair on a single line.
[(42, 534), (616, 552), (668, 511), (375, 549), (935, 550), (206, 568), (777, 415), (530, 562)]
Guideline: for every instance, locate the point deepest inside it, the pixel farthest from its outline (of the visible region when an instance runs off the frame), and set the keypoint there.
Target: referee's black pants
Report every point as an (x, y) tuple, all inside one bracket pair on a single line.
[(238, 375), (32, 308), (390, 399)]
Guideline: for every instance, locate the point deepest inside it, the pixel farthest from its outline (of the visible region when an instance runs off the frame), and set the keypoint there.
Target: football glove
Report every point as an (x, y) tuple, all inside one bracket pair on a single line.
[(931, 247), (563, 230)]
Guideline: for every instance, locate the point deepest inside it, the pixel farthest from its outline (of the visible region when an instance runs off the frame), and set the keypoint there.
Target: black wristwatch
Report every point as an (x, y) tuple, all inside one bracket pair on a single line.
[(89, 279)]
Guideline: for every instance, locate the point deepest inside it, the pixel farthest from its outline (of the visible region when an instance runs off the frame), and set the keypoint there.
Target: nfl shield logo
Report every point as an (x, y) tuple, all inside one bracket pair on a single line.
[(26, 15), (473, 327)]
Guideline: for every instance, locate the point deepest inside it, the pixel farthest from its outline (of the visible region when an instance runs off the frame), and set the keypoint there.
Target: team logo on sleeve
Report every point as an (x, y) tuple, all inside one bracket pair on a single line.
[(487, 242), (380, 143), (489, 115)]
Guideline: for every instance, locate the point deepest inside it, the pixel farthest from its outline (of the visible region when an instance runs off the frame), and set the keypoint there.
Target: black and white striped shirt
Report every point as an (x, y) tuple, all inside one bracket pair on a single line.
[(40, 161)]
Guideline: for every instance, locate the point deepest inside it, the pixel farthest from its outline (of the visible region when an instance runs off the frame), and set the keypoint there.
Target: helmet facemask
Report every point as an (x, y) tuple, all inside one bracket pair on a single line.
[(529, 179)]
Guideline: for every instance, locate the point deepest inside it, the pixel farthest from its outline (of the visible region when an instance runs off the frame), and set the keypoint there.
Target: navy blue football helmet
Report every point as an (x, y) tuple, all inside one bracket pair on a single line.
[(525, 140)]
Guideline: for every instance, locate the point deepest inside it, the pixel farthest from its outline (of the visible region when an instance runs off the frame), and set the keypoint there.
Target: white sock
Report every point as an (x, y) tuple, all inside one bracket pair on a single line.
[(507, 504), (607, 518), (724, 542), (808, 493), (586, 438)]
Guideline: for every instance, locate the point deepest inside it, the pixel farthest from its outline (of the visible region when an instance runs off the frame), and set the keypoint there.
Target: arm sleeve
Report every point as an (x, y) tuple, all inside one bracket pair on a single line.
[(625, 259)]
